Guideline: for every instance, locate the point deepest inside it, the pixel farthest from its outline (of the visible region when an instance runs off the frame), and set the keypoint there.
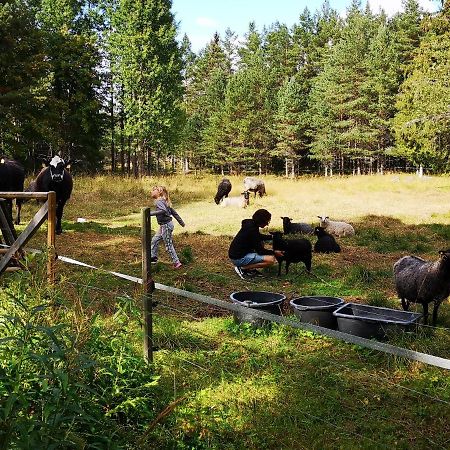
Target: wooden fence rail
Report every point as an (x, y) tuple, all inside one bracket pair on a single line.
[(17, 242)]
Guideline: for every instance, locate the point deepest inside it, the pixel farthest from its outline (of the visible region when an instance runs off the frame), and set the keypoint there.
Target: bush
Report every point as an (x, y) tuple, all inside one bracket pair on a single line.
[(54, 394)]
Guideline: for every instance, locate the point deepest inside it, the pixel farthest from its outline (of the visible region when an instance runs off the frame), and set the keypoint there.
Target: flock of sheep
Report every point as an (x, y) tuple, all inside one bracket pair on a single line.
[(416, 280)]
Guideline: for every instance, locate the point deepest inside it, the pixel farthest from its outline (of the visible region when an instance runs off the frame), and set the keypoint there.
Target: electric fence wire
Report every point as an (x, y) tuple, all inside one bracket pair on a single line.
[(340, 366), (348, 407), (137, 280), (341, 430), (399, 351)]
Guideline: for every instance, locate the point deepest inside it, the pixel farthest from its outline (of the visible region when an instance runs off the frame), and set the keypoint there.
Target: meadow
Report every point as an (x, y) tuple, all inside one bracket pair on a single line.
[(215, 384)]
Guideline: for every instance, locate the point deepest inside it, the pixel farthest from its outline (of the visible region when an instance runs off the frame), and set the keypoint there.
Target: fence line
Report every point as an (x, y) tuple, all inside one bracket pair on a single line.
[(363, 342)]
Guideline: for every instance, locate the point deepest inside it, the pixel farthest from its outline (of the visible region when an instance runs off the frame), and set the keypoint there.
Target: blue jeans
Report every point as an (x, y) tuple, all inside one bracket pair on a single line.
[(250, 258)]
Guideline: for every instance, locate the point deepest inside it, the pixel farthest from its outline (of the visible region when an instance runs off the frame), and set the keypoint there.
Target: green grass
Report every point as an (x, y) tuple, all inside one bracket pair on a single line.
[(234, 386)]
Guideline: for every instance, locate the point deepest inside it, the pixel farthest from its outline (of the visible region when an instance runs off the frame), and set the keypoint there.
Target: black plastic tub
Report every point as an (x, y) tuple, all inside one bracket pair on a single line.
[(317, 310), (260, 300), (372, 321)]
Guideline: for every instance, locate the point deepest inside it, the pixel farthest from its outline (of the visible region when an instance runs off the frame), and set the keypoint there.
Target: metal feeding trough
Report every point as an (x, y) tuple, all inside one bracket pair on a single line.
[(317, 310), (372, 321), (260, 300)]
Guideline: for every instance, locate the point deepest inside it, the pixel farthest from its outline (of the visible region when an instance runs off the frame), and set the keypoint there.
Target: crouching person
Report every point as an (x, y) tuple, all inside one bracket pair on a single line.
[(247, 251)]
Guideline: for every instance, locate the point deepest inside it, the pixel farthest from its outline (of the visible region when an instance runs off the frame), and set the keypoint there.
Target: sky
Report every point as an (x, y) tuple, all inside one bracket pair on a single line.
[(200, 19)]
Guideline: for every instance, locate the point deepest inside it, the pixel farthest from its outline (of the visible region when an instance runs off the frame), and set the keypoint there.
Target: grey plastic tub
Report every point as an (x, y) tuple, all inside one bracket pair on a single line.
[(372, 321), (317, 310), (260, 300)]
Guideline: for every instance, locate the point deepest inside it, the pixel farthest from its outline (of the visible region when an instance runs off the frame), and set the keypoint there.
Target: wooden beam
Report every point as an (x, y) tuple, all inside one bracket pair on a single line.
[(51, 239), (148, 285), (6, 225), (26, 235), (25, 195)]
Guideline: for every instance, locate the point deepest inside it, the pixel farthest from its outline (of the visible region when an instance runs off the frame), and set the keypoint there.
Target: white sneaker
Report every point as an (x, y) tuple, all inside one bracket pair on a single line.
[(239, 271)]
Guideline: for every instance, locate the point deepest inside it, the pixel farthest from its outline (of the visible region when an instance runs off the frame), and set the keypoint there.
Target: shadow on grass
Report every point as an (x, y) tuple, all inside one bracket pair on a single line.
[(291, 389), (386, 234), (95, 227)]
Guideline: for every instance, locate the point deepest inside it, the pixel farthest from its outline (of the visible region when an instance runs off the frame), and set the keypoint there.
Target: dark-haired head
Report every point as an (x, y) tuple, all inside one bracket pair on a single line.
[(262, 217)]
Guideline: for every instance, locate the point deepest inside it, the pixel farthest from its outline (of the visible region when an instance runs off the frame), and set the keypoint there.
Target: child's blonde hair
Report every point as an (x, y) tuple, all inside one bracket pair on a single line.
[(162, 191)]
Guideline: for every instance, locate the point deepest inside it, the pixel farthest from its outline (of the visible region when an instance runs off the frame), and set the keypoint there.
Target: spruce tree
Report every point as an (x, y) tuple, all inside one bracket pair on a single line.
[(24, 75)]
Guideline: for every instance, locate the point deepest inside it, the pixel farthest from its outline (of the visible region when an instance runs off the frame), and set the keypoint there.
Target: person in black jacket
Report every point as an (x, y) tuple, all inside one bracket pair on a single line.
[(247, 251)]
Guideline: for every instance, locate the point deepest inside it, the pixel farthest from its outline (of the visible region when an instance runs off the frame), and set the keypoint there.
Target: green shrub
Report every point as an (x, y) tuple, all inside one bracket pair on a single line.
[(55, 392)]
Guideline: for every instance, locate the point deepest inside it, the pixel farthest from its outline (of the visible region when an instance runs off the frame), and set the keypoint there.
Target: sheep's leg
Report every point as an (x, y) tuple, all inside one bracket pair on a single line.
[(18, 208), (308, 265), (287, 267), (279, 267), (405, 304), (435, 310), (425, 313)]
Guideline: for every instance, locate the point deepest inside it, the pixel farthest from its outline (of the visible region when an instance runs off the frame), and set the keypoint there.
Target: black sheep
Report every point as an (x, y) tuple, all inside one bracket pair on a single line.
[(12, 177), (420, 281), (290, 227), (223, 190), (325, 242), (295, 250)]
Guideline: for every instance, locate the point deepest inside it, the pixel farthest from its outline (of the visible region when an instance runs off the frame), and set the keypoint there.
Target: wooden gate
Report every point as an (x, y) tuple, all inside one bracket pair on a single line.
[(15, 243)]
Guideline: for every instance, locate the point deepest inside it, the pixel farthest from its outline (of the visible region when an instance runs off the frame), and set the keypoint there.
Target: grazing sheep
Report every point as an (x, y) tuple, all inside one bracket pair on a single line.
[(240, 202), (295, 250), (255, 185), (336, 228), (293, 228), (223, 190), (325, 242), (420, 281)]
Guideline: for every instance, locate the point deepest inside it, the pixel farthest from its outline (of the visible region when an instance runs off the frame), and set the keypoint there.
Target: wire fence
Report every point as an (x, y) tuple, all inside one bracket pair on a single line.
[(171, 301)]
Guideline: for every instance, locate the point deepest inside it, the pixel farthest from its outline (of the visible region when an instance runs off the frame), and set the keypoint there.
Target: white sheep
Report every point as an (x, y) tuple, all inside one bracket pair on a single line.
[(240, 202), (336, 228), (255, 185)]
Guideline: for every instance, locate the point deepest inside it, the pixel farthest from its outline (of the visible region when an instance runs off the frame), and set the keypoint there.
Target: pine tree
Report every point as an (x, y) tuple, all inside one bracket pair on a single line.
[(382, 87), (147, 63), (249, 106), (291, 122), (423, 119), (342, 109), (205, 93)]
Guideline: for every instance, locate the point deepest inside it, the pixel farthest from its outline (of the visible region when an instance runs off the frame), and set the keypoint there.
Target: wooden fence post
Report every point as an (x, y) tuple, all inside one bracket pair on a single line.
[(51, 227), (148, 285)]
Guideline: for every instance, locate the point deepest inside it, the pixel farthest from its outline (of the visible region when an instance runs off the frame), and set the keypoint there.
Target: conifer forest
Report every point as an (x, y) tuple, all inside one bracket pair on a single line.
[(110, 83)]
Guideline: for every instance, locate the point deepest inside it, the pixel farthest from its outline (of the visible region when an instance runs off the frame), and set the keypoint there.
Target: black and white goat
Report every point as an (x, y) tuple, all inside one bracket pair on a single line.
[(295, 250)]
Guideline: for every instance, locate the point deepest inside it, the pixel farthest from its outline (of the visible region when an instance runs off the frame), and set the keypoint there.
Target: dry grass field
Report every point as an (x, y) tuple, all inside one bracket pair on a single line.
[(393, 215), (222, 386)]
